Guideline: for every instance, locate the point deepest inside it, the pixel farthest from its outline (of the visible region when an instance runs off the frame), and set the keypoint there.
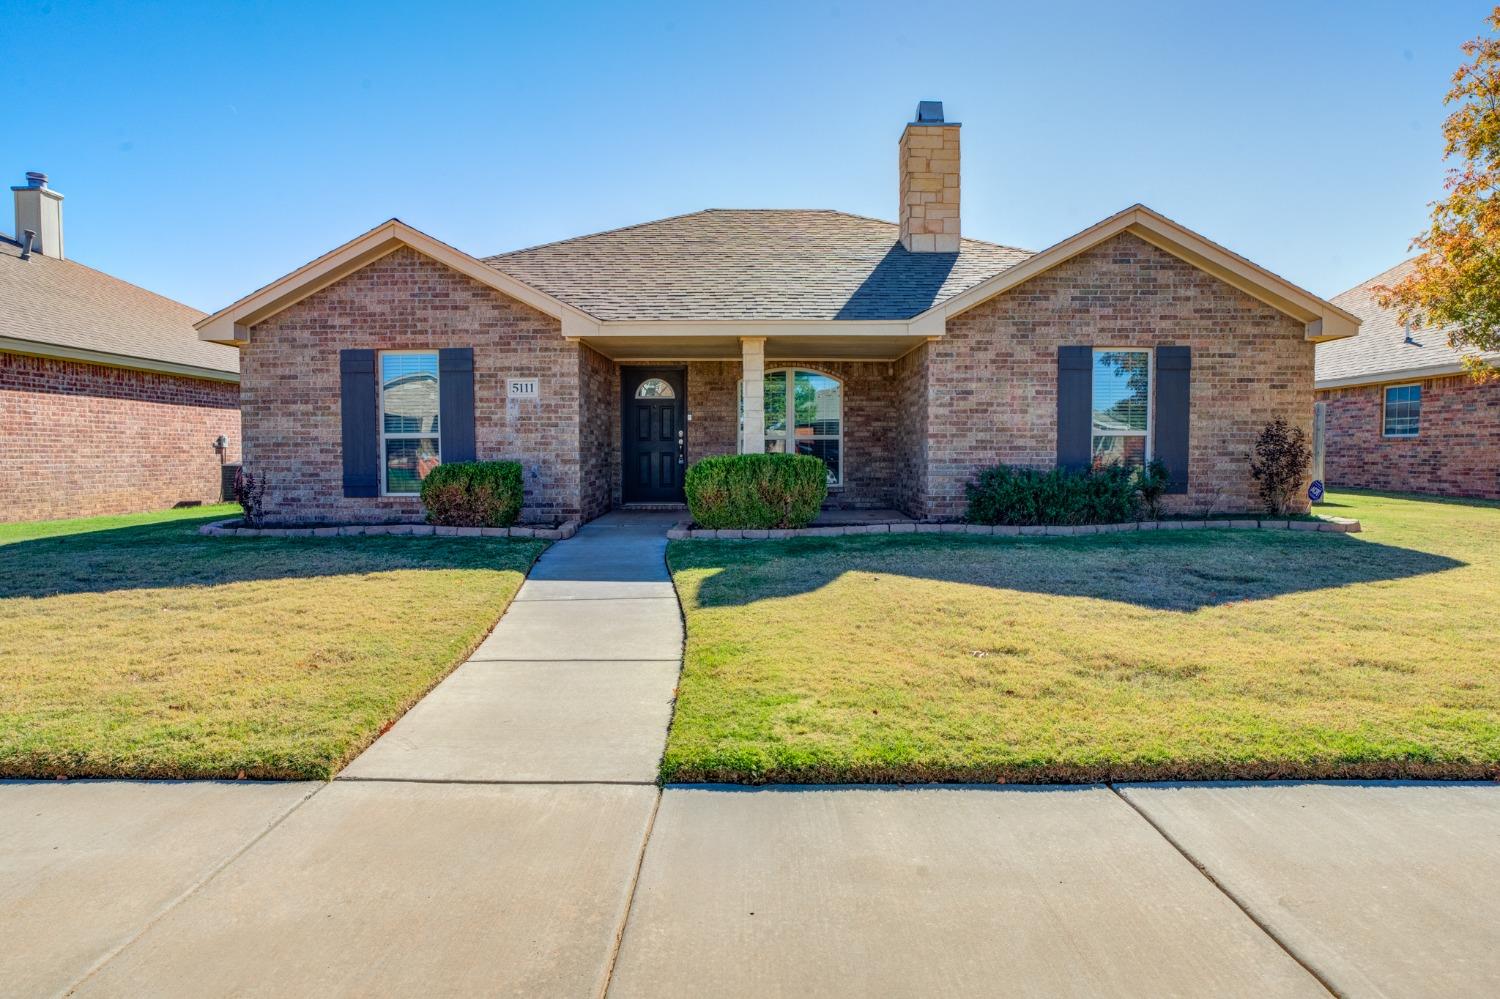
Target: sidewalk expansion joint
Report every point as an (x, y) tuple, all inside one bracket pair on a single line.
[(635, 880), (1224, 890)]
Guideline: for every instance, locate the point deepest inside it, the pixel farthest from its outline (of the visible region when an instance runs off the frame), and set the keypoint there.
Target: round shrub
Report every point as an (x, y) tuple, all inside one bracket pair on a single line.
[(756, 491), (473, 494)]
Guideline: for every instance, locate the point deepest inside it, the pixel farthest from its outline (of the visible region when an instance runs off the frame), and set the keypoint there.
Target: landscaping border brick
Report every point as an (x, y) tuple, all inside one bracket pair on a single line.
[(1337, 525), (221, 529)]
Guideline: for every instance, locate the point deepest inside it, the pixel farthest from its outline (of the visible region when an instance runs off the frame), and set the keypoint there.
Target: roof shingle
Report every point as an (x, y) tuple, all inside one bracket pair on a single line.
[(751, 265), (1381, 348), (62, 303)]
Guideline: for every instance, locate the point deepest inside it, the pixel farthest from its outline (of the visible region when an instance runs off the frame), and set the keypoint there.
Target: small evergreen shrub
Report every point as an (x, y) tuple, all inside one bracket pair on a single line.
[(473, 494), (756, 491), (1016, 496), (1279, 463)]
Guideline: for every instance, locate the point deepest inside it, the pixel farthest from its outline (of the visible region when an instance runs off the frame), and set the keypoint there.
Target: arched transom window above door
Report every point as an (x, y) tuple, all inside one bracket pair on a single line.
[(655, 388), (804, 415)]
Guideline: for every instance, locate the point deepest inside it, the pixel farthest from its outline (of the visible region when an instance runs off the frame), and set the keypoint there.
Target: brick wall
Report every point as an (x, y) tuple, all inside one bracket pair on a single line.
[(909, 433), (406, 301), (599, 439), (83, 440), (993, 376), (869, 400), (1455, 453)]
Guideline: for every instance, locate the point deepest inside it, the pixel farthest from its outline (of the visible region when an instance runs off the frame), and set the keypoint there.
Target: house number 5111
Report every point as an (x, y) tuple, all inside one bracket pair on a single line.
[(523, 388)]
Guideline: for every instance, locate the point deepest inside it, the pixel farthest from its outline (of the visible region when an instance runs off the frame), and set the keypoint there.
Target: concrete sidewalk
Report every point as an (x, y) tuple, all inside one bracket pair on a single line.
[(506, 836)]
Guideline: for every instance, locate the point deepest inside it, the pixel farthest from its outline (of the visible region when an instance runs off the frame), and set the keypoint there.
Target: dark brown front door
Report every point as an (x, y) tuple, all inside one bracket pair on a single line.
[(655, 444)]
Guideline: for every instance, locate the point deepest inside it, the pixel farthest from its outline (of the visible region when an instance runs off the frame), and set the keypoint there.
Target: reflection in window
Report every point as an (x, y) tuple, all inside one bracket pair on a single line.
[(655, 388), (409, 435), (1122, 407), (813, 403), (1403, 410)]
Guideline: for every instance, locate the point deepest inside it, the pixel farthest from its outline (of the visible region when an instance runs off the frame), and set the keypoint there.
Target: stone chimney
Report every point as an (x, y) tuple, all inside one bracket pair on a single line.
[(39, 209), (929, 182)]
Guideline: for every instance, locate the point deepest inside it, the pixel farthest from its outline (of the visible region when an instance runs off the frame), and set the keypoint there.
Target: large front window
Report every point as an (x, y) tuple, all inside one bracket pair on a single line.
[(1122, 408), (410, 444), (805, 415)]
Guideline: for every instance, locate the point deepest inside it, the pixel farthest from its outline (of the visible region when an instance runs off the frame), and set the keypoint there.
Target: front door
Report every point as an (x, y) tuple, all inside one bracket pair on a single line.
[(655, 445)]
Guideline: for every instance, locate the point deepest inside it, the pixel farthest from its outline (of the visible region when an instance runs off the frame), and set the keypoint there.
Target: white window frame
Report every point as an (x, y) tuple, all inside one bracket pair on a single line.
[(380, 435), (1385, 399), (1150, 432), (790, 431)]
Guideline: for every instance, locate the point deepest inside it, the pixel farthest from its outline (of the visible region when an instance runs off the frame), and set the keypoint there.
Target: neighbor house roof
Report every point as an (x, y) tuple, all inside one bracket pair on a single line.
[(753, 264), (60, 308), (1383, 351)]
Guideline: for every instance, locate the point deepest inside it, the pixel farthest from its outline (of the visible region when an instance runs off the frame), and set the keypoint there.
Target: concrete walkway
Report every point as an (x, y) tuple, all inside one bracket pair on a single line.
[(575, 684), (506, 837)]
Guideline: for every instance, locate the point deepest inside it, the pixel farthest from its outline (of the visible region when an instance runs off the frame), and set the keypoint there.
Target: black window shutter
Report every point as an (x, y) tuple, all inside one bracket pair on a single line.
[(456, 402), (1075, 407), (357, 389), (1174, 378)]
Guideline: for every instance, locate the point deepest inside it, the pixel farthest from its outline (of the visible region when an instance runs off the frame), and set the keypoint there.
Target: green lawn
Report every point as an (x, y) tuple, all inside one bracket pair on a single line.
[(1193, 654), (132, 647)]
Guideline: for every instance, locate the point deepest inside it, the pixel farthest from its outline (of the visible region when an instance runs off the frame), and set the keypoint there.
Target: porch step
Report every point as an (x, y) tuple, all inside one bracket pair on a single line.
[(655, 507)]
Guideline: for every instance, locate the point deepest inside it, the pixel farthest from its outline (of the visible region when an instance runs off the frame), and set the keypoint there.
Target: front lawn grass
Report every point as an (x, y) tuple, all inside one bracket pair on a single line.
[(133, 647), (1185, 654)]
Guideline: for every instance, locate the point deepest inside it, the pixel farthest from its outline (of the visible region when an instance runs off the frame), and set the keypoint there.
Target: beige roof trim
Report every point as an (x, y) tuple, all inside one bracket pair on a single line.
[(1322, 320), (231, 325), (1401, 374), (59, 352)]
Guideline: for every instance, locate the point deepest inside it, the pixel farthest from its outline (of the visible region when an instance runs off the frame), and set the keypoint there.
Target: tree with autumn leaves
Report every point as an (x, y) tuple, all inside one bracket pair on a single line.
[(1455, 282)]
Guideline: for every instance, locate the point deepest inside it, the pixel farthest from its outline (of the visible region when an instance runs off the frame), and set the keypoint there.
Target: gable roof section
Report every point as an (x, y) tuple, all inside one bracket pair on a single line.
[(1322, 320), (231, 325), (1381, 352), (748, 265), (63, 309)]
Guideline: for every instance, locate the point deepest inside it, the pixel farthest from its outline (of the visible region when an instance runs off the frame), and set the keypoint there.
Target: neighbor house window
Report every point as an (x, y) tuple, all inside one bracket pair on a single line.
[(1403, 410), (1122, 408), (804, 415), (410, 443)]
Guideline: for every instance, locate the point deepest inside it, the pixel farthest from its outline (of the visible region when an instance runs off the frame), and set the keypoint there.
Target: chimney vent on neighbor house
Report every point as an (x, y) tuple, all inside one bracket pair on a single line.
[(39, 210), (929, 182)]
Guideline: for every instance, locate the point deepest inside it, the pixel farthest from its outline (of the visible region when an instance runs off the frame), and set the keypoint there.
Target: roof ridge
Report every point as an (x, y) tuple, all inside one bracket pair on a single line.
[(1370, 281)]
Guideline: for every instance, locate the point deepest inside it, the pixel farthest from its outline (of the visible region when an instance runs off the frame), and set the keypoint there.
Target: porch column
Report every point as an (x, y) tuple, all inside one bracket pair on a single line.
[(753, 370)]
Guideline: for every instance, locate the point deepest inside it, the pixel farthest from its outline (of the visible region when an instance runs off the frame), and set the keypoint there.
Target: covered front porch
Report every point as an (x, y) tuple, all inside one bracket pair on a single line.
[(856, 402)]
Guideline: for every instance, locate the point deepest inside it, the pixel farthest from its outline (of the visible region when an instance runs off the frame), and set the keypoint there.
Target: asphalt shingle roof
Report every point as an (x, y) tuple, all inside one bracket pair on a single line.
[(63, 303), (1381, 347), (753, 264)]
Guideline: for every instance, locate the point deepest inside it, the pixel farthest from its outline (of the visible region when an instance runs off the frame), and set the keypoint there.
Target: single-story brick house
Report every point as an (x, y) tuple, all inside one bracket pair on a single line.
[(904, 355), (109, 400), (1402, 413)]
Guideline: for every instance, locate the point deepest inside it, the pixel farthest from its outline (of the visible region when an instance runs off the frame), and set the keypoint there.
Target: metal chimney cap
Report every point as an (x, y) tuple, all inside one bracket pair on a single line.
[(35, 178), (928, 113)]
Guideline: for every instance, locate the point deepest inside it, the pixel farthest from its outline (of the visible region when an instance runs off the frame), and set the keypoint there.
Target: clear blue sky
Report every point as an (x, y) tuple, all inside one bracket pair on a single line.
[(206, 149)]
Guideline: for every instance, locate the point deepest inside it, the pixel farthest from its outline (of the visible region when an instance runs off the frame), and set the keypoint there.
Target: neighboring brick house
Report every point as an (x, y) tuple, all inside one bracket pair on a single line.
[(109, 400), (1402, 413), (904, 355)]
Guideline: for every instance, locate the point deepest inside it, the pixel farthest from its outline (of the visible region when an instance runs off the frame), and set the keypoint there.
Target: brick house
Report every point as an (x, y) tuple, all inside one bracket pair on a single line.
[(109, 400), (904, 355), (1402, 413)]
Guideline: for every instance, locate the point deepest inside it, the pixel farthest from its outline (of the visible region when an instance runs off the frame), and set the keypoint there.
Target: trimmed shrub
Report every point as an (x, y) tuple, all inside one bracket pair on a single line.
[(756, 491), (1012, 495), (473, 494), (1279, 463)]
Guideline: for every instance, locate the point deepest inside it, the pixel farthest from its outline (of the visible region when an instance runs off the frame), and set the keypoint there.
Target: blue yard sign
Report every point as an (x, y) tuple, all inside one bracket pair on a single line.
[(1315, 490)]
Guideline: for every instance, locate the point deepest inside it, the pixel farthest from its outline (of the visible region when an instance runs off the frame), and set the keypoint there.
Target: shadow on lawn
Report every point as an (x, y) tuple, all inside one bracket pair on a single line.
[(172, 554), (1182, 571)]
